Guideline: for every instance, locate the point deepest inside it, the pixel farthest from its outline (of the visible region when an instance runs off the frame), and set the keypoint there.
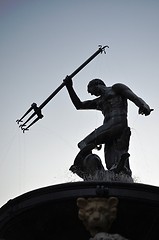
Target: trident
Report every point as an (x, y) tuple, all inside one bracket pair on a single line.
[(37, 110)]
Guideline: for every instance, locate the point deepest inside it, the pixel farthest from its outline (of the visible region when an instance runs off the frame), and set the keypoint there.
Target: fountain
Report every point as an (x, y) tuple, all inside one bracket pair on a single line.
[(107, 204)]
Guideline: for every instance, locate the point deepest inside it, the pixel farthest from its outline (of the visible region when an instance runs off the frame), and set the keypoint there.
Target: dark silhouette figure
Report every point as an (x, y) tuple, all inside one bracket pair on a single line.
[(114, 133)]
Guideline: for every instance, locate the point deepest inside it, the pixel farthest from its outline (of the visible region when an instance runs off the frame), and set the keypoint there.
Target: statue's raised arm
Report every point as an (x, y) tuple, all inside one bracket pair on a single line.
[(89, 104)]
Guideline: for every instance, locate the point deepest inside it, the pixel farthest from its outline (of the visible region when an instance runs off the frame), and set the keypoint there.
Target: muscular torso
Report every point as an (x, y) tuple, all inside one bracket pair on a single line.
[(113, 106)]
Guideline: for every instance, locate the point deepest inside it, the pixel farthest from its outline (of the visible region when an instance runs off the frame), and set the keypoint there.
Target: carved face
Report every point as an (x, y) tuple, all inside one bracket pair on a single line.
[(97, 214)]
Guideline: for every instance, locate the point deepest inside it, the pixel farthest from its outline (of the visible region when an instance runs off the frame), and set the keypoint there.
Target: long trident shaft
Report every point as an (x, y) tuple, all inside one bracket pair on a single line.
[(37, 110)]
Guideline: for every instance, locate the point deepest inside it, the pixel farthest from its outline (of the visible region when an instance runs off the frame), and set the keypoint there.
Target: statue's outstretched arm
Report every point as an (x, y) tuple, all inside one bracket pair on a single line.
[(129, 94)]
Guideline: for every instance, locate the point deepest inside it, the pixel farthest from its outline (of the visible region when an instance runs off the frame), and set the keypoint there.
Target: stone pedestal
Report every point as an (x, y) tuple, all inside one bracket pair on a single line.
[(51, 213)]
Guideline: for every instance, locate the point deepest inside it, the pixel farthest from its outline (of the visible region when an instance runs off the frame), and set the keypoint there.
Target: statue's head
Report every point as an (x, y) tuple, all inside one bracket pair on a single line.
[(94, 86)]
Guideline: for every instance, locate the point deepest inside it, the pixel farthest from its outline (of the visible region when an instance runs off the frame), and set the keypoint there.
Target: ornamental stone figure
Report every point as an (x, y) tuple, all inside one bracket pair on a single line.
[(98, 215)]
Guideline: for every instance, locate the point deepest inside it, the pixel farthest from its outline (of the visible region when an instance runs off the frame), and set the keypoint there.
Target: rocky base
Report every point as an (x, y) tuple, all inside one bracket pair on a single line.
[(109, 176)]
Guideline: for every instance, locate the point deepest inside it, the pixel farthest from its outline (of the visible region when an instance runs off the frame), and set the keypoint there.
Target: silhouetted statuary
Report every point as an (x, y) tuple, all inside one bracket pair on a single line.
[(114, 133), (108, 204)]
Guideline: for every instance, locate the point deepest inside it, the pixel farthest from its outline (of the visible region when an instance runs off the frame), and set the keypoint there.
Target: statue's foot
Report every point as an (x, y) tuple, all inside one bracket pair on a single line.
[(120, 166)]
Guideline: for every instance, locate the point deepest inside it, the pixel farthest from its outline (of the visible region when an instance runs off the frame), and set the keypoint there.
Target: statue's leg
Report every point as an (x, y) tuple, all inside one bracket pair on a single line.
[(111, 154), (103, 134), (116, 153)]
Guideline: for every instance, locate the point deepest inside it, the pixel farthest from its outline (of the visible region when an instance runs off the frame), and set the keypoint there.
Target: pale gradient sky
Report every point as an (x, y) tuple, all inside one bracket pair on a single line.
[(42, 41)]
